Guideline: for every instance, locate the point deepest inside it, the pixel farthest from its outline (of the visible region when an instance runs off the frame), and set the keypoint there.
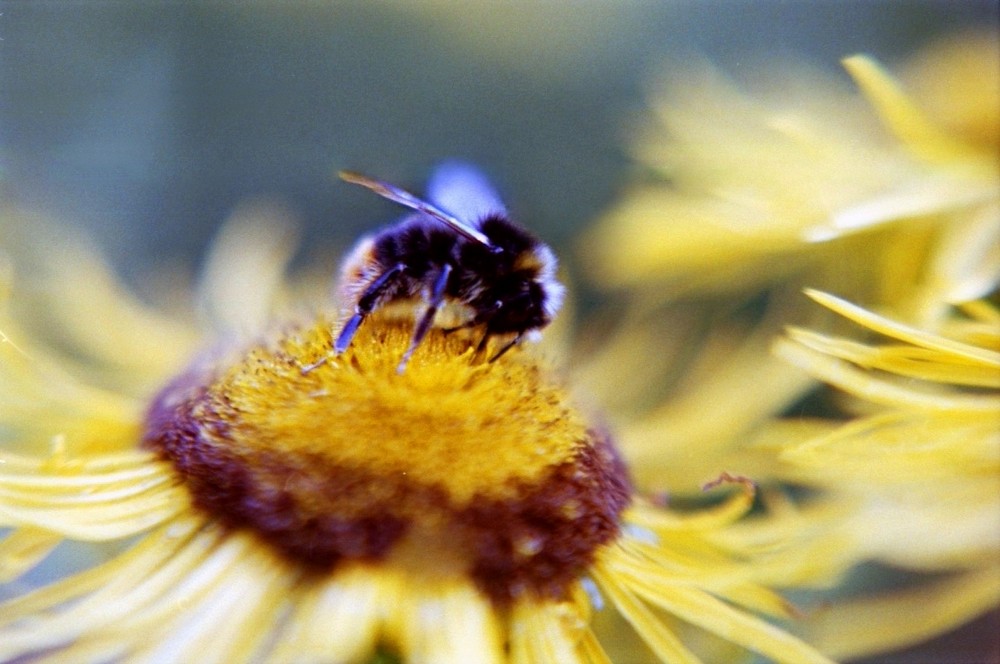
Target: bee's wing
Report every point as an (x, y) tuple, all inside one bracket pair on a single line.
[(403, 197), (464, 191)]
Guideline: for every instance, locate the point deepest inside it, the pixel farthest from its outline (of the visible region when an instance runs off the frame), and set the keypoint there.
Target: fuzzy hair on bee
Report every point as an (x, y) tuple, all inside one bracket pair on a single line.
[(459, 247)]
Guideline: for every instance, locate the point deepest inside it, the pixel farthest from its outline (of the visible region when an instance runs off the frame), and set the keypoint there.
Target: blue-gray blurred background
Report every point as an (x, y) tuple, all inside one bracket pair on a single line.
[(147, 122)]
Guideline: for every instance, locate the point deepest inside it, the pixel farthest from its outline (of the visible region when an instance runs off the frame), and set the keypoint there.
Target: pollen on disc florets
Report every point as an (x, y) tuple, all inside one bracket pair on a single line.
[(456, 466)]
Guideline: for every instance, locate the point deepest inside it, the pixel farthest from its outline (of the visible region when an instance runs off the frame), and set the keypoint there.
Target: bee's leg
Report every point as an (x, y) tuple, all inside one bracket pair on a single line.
[(347, 332), (513, 342), (484, 341), (424, 324), (366, 304), (464, 326), (481, 318)]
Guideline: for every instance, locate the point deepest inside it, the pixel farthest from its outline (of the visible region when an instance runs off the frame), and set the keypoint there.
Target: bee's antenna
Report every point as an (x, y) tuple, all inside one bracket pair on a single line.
[(403, 197)]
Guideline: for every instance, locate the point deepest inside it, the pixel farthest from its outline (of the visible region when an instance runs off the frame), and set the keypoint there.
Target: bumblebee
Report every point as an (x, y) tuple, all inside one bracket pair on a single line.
[(460, 247)]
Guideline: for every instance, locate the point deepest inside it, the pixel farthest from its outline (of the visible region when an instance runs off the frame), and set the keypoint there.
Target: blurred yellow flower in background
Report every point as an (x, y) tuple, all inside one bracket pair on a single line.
[(913, 479), (798, 182), (753, 196)]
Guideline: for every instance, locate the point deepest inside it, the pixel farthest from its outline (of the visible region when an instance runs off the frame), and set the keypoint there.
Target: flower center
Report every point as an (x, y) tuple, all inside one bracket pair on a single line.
[(457, 466)]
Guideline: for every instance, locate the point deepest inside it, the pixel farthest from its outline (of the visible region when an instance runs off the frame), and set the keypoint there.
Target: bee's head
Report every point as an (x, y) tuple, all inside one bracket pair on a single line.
[(544, 290), (528, 296), (506, 237)]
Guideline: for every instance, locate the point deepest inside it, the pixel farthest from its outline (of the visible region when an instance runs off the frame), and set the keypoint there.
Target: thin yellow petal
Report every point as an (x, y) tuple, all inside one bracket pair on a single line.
[(936, 193), (910, 442), (451, 624), (660, 445), (56, 491), (101, 522), (701, 609), (245, 268), (863, 385), (730, 510), (133, 463), (591, 649), (909, 361), (22, 549), (81, 293), (900, 115), (725, 577), (902, 332), (888, 621), (228, 624), (982, 310), (41, 619), (658, 637), (336, 620), (539, 634), (108, 649)]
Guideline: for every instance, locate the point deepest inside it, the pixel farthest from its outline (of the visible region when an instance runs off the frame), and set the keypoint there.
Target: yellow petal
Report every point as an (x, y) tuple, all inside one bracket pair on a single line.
[(863, 385), (900, 115), (658, 637), (894, 620), (902, 332), (244, 271), (22, 549)]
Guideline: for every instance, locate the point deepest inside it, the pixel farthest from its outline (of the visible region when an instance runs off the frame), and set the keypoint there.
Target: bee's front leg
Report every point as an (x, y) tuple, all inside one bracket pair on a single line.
[(367, 303)]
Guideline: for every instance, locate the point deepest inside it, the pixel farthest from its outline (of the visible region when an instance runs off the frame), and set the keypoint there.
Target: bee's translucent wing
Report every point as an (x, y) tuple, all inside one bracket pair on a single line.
[(403, 197), (464, 191)]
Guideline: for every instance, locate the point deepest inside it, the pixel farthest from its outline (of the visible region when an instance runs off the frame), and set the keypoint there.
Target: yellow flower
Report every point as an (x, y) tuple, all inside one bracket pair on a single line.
[(913, 479), (754, 197), (956, 88), (798, 183), (796, 186), (269, 507)]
